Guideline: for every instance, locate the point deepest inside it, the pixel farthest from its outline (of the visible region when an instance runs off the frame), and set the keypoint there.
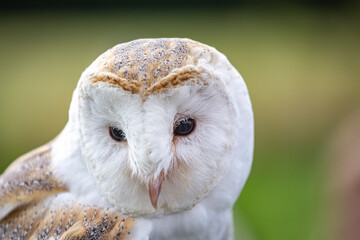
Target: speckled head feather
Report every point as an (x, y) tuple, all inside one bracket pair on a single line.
[(149, 66)]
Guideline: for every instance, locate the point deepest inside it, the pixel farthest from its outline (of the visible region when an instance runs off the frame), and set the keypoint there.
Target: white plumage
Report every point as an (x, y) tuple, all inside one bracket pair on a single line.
[(173, 186)]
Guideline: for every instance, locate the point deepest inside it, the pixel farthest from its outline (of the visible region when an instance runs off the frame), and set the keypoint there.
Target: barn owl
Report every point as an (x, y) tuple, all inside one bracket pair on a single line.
[(158, 145)]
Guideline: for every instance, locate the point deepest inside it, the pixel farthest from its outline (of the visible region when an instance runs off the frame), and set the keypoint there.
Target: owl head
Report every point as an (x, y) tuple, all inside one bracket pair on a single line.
[(164, 124)]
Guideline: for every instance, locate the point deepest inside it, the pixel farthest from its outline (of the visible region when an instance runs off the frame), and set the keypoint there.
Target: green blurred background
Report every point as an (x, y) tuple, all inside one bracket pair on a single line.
[(300, 62)]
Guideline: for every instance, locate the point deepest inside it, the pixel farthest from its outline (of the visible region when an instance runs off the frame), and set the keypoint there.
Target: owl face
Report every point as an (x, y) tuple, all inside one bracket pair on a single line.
[(157, 138)]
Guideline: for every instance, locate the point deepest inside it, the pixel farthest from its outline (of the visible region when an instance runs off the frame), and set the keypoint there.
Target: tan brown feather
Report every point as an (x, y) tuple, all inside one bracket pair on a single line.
[(70, 221), (29, 178), (149, 66)]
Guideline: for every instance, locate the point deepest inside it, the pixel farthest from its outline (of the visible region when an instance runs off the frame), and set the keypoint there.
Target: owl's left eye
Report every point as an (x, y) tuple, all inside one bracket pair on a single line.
[(116, 134)]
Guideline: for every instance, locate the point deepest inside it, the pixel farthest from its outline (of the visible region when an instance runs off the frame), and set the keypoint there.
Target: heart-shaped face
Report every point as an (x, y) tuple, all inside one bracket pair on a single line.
[(164, 124)]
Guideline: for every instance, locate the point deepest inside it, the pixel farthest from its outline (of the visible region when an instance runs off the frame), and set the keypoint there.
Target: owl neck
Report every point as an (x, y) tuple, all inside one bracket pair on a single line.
[(201, 222)]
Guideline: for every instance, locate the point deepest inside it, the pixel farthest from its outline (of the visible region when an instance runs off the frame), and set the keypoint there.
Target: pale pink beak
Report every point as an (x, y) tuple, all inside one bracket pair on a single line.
[(154, 188)]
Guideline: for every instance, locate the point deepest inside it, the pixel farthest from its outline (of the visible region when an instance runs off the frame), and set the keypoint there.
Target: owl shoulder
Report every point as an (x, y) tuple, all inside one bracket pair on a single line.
[(29, 178), (28, 188)]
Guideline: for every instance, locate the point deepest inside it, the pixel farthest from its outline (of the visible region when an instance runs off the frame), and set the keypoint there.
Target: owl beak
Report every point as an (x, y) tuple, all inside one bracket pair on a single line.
[(154, 188)]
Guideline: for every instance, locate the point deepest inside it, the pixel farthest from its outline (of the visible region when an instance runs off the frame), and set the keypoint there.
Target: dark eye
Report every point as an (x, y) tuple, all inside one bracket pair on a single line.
[(116, 134), (184, 127)]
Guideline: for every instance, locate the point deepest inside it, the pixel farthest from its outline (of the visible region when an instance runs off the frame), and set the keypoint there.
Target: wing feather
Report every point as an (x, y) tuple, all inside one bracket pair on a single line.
[(69, 221), (28, 188), (27, 179)]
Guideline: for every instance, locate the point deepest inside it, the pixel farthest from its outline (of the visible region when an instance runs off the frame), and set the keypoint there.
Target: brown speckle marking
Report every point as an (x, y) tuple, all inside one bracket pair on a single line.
[(100, 223), (29, 178), (148, 66)]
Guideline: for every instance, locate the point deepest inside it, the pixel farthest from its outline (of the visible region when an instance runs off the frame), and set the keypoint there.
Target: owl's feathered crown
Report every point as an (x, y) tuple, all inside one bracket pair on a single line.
[(149, 66)]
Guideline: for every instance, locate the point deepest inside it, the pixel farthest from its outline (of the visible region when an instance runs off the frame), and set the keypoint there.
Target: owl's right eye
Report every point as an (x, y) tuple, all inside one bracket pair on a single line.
[(116, 134)]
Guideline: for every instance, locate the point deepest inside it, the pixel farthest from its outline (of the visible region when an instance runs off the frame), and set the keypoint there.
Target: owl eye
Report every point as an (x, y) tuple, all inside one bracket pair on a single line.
[(184, 127), (116, 134)]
